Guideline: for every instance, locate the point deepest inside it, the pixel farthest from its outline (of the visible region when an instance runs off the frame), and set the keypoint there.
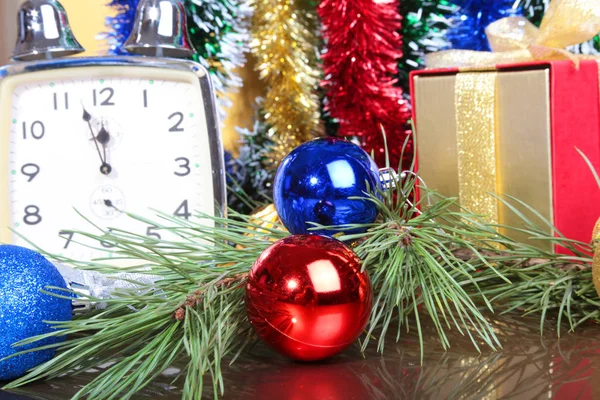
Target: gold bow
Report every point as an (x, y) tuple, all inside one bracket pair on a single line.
[(515, 39)]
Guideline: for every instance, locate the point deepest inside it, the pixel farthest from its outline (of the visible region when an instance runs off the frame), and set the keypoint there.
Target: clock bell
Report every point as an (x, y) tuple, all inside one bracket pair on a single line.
[(160, 30), (44, 32)]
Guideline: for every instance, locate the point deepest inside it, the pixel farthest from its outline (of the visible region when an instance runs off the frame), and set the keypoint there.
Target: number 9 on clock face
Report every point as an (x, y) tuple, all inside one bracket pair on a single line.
[(101, 138)]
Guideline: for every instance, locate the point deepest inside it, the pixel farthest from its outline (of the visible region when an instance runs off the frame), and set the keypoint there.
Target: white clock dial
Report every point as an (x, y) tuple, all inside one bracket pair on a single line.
[(101, 146)]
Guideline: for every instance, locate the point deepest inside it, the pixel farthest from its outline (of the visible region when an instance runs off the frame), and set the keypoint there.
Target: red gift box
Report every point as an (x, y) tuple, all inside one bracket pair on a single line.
[(542, 113)]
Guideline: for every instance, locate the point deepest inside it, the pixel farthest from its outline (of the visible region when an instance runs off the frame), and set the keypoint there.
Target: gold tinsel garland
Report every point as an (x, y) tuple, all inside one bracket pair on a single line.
[(285, 47)]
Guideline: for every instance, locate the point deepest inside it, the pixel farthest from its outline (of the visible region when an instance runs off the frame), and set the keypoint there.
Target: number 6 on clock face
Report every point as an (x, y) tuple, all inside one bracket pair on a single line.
[(105, 136)]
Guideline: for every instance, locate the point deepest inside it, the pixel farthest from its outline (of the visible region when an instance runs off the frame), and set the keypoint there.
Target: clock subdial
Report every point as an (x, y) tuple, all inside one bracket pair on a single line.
[(107, 202)]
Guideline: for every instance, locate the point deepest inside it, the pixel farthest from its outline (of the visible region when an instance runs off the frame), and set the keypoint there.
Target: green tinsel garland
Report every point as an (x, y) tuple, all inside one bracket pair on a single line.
[(219, 31), (424, 27)]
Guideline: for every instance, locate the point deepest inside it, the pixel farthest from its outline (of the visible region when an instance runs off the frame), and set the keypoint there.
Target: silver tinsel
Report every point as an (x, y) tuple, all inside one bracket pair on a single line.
[(228, 20)]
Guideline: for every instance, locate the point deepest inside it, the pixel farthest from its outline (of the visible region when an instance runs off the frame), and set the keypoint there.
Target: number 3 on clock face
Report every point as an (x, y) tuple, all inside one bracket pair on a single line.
[(102, 137)]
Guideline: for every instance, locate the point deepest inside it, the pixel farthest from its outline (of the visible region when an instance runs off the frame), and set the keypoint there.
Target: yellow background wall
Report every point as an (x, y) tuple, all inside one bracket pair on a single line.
[(87, 20), (8, 28)]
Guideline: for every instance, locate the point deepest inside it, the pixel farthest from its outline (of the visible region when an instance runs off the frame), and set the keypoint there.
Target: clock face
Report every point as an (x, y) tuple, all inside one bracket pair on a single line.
[(102, 145)]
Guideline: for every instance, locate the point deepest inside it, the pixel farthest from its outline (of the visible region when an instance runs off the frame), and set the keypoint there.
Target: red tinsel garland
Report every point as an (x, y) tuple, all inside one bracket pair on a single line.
[(361, 61)]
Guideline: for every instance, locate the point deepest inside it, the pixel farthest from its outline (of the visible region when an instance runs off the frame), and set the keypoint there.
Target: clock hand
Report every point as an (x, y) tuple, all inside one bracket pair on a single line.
[(109, 203), (103, 137), (105, 168), (87, 118)]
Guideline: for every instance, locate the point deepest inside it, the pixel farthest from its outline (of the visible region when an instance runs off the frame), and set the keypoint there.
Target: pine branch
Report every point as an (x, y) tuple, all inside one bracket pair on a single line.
[(413, 269), (446, 261), (144, 330), (432, 260)]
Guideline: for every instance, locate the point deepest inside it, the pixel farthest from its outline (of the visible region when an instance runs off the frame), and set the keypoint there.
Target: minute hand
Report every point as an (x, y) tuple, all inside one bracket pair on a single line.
[(105, 168), (87, 118)]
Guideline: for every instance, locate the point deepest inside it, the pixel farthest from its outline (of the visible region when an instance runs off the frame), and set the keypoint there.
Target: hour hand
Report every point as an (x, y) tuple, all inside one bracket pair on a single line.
[(103, 137)]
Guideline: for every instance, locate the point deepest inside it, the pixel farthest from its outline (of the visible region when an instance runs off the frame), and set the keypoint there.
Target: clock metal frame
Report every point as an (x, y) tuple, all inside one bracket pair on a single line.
[(158, 66)]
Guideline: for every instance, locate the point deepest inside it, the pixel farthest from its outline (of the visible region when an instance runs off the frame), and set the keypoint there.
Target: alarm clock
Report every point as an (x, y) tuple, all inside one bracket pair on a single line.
[(85, 141)]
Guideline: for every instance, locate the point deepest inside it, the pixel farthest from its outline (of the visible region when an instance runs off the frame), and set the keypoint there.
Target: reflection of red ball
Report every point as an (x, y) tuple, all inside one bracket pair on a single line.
[(307, 297), (330, 381)]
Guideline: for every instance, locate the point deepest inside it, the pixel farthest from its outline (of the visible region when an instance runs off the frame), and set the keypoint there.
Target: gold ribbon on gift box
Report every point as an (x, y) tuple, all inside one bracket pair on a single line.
[(475, 102)]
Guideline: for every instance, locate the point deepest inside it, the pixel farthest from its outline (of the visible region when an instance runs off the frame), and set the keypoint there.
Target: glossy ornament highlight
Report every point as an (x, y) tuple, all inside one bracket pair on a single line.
[(307, 297), (24, 308), (315, 182)]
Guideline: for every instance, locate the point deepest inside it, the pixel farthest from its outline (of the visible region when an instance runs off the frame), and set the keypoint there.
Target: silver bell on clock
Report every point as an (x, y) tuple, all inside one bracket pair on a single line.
[(100, 137), (160, 29), (44, 32)]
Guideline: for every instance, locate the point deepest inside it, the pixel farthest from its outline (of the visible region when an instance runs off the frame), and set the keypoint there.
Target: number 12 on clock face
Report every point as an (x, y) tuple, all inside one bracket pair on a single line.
[(102, 140)]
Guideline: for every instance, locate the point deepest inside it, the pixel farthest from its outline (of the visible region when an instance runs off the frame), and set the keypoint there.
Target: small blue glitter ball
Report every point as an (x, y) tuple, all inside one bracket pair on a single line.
[(314, 183), (23, 308)]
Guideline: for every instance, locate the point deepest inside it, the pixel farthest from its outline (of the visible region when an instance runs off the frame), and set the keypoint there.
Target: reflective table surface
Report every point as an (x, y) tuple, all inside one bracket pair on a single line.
[(529, 366)]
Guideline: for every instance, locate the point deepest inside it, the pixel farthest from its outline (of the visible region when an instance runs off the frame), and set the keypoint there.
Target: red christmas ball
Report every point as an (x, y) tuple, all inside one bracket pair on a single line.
[(307, 297)]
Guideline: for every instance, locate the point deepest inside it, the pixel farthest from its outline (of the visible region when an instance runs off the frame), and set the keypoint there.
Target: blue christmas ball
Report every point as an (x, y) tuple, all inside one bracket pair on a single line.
[(472, 18), (23, 308), (315, 181)]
